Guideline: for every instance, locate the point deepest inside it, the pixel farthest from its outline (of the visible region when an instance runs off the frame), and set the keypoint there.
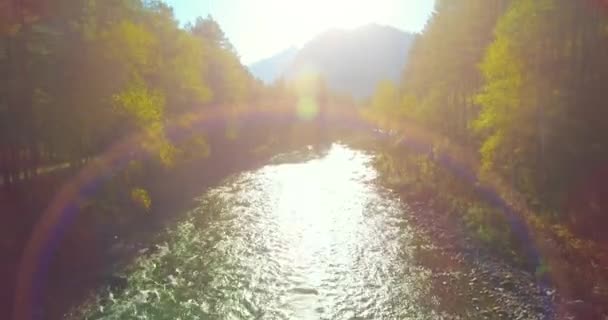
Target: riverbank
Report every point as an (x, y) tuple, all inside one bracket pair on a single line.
[(496, 288), (110, 230), (565, 277), (467, 268), (287, 239)]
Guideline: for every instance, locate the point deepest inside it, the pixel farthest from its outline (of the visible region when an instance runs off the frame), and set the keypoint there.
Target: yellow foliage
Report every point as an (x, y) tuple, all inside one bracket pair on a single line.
[(145, 107), (187, 67), (140, 197), (131, 44)]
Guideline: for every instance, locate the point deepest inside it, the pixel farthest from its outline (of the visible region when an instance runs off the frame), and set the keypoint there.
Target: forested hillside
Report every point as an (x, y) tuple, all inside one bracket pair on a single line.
[(513, 91), (117, 96), (80, 74)]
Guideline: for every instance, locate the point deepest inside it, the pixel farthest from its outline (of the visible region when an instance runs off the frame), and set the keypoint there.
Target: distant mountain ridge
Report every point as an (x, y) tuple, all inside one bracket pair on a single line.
[(270, 69), (352, 61)]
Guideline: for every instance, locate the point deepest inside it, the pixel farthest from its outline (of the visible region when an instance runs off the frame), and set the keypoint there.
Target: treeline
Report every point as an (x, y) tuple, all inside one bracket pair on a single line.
[(78, 76), (519, 86), (80, 79), (84, 78)]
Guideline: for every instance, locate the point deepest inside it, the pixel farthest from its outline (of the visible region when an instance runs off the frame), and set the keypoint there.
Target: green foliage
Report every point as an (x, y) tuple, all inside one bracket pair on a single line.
[(534, 126), (385, 104), (131, 45), (146, 110), (141, 197), (144, 106), (102, 71), (518, 81), (442, 74), (489, 224), (518, 86), (418, 178)]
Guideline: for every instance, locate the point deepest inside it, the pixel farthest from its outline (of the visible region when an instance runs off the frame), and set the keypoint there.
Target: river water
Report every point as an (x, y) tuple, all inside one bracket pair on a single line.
[(318, 239)]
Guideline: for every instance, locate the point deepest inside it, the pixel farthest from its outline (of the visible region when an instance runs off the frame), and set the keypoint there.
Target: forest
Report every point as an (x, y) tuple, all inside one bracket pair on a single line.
[(81, 74), (151, 107), (513, 91), (499, 120)]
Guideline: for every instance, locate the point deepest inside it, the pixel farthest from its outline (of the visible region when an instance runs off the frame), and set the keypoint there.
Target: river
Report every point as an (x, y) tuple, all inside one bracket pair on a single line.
[(316, 239)]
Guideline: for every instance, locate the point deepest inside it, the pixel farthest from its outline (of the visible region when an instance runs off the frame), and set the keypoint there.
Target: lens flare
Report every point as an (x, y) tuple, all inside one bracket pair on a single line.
[(57, 219), (307, 83)]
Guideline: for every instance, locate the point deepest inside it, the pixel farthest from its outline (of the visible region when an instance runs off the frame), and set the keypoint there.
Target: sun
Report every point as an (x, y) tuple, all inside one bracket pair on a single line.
[(301, 20), (338, 13), (262, 28)]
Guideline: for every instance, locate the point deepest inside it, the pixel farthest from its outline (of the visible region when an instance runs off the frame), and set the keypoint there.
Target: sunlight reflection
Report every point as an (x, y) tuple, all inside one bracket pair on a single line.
[(319, 210)]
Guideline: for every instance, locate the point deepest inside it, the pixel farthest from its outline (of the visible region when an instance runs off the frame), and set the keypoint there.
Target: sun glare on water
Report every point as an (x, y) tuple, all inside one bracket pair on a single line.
[(314, 197)]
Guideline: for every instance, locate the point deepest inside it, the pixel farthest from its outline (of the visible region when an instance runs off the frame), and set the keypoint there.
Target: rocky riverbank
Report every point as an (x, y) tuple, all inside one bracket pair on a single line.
[(497, 287), (468, 273)]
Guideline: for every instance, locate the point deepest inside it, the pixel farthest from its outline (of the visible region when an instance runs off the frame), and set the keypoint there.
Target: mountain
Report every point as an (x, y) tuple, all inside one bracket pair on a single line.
[(270, 69), (351, 61)]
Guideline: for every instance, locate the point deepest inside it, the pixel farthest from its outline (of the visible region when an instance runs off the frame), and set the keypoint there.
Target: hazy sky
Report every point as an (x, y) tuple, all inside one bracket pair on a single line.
[(260, 28)]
